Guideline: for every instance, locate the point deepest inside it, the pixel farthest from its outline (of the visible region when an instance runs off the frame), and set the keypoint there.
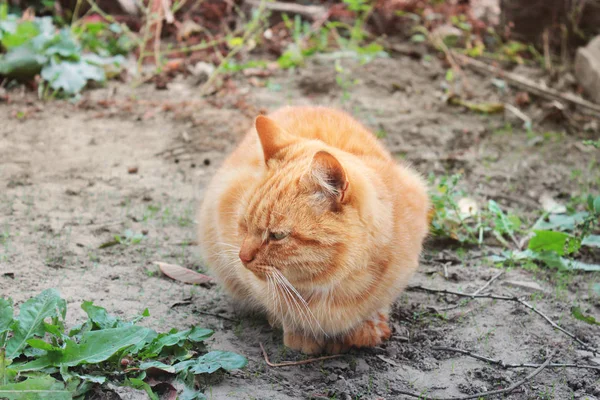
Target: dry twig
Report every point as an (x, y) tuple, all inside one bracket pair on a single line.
[(290, 363), (491, 392), (312, 12), (529, 85), (505, 365), (488, 283), (478, 291), (507, 298)]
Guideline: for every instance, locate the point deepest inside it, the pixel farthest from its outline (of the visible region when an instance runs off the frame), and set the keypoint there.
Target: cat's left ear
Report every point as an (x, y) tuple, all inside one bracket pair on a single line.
[(329, 176), (272, 137)]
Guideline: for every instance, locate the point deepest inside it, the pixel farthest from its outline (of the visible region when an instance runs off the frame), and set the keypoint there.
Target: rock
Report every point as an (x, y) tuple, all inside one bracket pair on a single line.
[(587, 68), (524, 285), (201, 71)]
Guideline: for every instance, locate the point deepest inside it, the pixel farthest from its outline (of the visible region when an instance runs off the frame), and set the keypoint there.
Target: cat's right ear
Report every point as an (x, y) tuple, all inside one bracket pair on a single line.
[(272, 137)]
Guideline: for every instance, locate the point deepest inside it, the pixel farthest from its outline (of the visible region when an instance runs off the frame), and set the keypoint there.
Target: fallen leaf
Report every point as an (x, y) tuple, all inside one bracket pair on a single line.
[(552, 206), (182, 274), (486, 108), (522, 99)]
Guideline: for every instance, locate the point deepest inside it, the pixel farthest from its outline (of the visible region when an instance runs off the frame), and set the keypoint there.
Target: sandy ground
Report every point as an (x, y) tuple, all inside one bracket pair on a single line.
[(65, 189)]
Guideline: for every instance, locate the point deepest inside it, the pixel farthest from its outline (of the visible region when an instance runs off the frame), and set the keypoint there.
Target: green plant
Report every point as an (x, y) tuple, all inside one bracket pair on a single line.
[(556, 236), (39, 47), (39, 355)]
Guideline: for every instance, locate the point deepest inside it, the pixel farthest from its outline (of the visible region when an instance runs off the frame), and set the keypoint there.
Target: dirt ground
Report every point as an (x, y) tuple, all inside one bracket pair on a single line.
[(65, 189)]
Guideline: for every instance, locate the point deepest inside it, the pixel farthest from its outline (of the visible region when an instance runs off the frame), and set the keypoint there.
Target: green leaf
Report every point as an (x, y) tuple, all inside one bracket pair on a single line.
[(6, 315), (71, 76), (44, 387), (591, 240), (174, 337), (596, 288), (21, 63), (560, 222), (98, 346), (40, 344), (99, 316), (69, 375), (549, 258), (30, 321), (577, 313), (26, 30), (159, 365), (64, 45), (558, 242), (580, 266), (502, 223), (191, 394), (597, 205), (418, 38), (37, 364), (199, 334), (214, 360), (140, 384)]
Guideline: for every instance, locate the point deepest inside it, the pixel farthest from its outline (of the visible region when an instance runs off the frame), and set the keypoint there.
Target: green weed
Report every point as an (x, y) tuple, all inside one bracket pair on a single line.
[(65, 58), (38, 353)]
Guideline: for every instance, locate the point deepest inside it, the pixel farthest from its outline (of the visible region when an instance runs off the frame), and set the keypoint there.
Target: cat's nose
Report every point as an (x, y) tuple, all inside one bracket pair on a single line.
[(246, 257), (249, 249)]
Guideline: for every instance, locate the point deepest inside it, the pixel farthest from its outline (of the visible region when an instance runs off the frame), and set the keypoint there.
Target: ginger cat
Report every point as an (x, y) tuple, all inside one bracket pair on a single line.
[(311, 221)]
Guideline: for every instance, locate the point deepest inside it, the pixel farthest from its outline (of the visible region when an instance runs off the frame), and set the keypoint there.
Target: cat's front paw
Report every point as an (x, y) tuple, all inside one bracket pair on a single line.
[(303, 343), (370, 333)]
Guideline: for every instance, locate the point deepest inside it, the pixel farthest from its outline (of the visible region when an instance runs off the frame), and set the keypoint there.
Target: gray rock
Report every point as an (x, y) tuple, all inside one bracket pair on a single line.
[(587, 68)]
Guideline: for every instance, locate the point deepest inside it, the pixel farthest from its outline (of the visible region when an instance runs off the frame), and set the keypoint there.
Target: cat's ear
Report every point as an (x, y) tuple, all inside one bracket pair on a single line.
[(329, 177), (272, 137)]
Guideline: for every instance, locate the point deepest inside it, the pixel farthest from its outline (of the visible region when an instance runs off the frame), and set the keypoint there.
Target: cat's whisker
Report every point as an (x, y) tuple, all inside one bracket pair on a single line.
[(302, 305), (291, 303), (287, 301)]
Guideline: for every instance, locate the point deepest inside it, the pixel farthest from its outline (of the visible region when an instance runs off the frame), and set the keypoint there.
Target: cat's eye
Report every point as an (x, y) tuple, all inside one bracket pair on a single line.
[(278, 235)]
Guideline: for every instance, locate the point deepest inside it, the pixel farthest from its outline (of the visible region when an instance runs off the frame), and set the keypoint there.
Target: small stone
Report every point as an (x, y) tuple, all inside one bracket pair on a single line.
[(202, 71), (132, 170), (587, 68), (524, 285)]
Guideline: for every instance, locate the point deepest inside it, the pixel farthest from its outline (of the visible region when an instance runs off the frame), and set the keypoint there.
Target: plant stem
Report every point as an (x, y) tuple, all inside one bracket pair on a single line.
[(3, 377)]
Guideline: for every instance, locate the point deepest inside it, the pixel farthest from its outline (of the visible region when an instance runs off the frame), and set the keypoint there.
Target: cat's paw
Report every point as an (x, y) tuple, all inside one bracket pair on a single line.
[(303, 343), (370, 333)]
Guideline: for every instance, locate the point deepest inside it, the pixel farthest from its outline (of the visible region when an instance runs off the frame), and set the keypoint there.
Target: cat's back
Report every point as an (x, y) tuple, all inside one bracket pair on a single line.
[(333, 127)]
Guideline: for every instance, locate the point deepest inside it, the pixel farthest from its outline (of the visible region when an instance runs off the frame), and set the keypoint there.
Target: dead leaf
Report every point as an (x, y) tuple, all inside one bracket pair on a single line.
[(522, 99), (182, 274), (487, 108), (552, 206)]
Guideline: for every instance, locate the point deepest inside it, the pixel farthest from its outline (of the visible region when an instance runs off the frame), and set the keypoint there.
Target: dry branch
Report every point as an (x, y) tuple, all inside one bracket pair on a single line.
[(515, 299), (291, 363), (491, 392), (312, 12), (488, 283), (505, 365), (529, 85)]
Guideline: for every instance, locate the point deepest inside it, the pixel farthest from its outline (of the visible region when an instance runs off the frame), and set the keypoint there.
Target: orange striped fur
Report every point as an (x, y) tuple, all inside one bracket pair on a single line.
[(312, 221)]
